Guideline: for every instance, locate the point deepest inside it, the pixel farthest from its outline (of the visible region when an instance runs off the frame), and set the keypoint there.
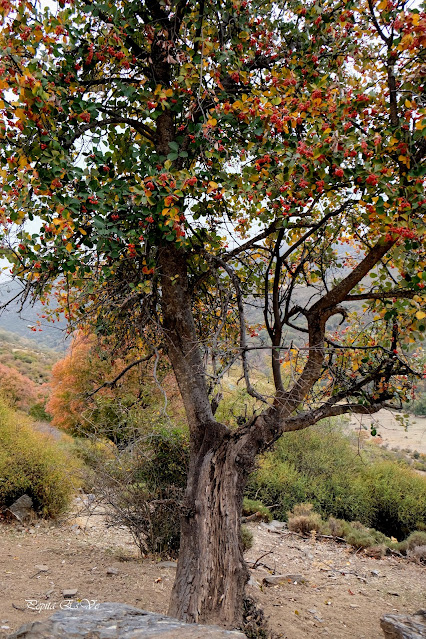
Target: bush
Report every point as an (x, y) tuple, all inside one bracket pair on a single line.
[(336, 527), (359, 536), (143, 486), (34, 464), (321, 466), (417, 538), (418, 406), (398, 498), (304, 520), (254, 507), (246, 538)]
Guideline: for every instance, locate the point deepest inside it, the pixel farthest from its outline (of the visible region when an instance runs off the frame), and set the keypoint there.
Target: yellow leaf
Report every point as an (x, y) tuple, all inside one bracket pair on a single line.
[(420, 315), (69, 247), (407, 104), (82, 231)]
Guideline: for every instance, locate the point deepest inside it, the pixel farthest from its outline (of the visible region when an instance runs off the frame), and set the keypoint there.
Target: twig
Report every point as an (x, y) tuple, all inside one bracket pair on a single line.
[(256, 563)]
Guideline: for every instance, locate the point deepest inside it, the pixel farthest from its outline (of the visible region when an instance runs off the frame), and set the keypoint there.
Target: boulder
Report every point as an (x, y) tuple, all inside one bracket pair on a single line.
[(90, 620), (404, 626), (22, 509)]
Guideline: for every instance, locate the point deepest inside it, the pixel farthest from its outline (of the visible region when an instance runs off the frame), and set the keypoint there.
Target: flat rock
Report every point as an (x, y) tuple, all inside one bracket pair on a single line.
[(404, 626), (279, 525), (275, 580), (167, 564), (41, 568), (112, 571), (22, 509), (70, 592), (117, 621), (271, 528)]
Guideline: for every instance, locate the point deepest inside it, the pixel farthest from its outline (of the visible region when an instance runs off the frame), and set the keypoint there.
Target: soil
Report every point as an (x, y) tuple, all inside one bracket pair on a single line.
[(342, 594), (393, 430)]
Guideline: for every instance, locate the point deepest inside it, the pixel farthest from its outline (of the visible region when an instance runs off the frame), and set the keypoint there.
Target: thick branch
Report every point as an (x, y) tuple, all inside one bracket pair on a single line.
[(308, 418), (339, 293), (382, 295)]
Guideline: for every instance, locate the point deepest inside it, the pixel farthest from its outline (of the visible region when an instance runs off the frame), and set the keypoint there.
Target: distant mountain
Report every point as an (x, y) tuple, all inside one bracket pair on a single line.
[(19, 321)]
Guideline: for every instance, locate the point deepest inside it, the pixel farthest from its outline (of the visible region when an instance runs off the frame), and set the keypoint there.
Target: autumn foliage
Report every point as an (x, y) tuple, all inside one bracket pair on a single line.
[(81, 403), (187, 161)]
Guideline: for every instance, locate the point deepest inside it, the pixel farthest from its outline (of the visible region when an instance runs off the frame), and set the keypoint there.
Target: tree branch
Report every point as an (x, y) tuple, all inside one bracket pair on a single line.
[(243, 334), (399, 293), (339, 293), (138, 126), (113, 382), (308, 418)]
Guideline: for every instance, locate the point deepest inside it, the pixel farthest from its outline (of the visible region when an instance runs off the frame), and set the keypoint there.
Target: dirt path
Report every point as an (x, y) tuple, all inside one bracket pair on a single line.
[(343, 597)]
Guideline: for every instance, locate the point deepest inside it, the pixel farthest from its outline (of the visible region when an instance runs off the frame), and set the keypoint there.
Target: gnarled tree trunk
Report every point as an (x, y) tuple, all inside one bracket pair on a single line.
[(212, 574)]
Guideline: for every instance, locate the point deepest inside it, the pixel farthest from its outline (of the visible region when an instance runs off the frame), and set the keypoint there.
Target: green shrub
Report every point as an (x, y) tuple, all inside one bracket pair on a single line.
[(359, 536), (34, 464), (398, 497), (335, 527), (246, 538), (417, 538), (254, 507), (418, 406), (321, 466)]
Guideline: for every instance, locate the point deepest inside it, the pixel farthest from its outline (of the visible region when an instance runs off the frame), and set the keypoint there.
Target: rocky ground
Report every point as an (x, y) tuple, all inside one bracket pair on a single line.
[(328, 589)]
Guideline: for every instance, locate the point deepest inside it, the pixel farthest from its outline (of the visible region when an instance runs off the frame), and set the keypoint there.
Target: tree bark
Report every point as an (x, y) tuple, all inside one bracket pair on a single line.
[(211, 574)]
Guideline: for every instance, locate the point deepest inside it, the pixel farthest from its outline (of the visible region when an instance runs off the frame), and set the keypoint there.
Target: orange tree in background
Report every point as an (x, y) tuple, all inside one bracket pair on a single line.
[(186, 159), (97, 391)]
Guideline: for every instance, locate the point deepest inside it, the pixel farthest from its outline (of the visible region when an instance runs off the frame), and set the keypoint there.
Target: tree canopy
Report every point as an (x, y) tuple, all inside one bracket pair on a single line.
[(187, 161)]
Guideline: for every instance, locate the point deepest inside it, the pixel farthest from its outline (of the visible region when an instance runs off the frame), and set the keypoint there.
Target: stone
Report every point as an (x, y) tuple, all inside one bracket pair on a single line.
[(253, 582), (279, 525), (167, 564), (22, 509), (71, 592), (86, 620), (112, 571), (271, 527), (404, 626), (275, 580), (41, 568)]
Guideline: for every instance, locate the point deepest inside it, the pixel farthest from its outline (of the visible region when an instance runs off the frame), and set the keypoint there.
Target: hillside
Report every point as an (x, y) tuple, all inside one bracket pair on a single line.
[(24, 372), (19, 321)]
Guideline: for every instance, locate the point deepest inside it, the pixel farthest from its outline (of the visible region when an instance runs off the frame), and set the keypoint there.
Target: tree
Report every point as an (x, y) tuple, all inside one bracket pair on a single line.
[(189, 159), (121, 408)]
